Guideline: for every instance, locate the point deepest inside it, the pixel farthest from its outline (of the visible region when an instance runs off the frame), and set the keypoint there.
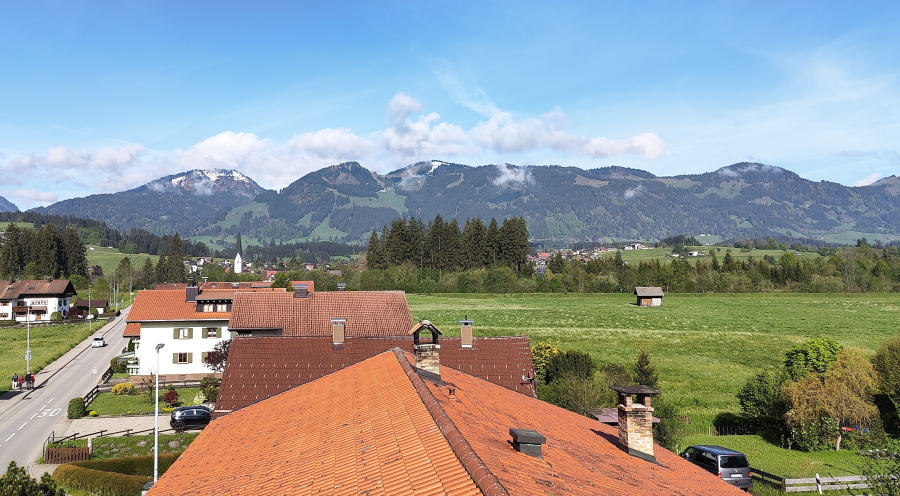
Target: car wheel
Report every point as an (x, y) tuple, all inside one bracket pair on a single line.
[(178, 426)]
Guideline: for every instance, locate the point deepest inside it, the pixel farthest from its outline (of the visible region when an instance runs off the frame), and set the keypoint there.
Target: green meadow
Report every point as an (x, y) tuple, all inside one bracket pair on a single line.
[(109, 258), (705, 346)]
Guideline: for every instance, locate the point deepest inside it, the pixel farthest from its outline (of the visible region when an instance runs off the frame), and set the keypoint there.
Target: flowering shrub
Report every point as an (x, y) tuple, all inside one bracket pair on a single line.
[(123, 388)]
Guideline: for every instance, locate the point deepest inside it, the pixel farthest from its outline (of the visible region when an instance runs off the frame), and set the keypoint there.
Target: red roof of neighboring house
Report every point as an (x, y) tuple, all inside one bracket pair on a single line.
[(368, 313), (310, 285), (92, 303), (377, 427), (132, 330), (35, 287), (260, 367), (168, 304)]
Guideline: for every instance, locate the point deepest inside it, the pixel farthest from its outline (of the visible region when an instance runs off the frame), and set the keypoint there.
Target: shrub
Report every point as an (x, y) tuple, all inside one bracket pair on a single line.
[(209, 386), (56, 316), (123, 388), (171, 398), (575, 363), (93, 413), (814, 355), (578, 394), (117, 366), (116, 477), (16, 481), (669, 432), (541, 353), (76, 408), (762, 401), (644, 370), (199, 398), (887, 362)]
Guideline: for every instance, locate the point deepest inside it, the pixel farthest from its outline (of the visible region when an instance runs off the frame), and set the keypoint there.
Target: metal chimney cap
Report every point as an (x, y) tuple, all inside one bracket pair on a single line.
[(642, 390), (466, 322), (527, 436)]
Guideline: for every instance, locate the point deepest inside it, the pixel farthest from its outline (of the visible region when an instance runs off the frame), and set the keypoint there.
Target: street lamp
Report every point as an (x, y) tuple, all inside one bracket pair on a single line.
[(156, 418), (27, 339)]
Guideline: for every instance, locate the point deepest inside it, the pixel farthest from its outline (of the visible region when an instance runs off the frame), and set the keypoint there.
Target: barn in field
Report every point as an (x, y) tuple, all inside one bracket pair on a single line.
[(649, 296)]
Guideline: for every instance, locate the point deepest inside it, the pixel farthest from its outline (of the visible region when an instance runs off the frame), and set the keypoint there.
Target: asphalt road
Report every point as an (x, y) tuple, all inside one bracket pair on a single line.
[(25, 425)]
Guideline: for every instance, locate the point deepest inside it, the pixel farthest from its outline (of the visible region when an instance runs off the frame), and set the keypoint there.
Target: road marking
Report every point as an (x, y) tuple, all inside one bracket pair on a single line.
[(33, 416), (43, 406), (51, 399), (23, 425), (10, 437)]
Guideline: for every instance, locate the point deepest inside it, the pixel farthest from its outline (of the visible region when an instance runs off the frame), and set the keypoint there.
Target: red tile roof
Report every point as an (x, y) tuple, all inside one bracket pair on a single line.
[(132, 330), (361, 430), (376, 427), (260, 367), (368, 313), (168, 304)]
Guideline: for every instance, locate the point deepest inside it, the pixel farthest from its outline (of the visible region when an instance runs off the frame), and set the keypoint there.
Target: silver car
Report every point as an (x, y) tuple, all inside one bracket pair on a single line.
[(727, 464)]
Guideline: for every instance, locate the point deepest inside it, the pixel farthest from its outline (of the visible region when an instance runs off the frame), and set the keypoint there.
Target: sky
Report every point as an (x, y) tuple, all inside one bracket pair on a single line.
[(99, 97)]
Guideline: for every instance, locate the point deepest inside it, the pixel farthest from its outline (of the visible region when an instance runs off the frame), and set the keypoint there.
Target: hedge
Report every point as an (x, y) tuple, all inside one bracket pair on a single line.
[(115, 477), (76, 408)]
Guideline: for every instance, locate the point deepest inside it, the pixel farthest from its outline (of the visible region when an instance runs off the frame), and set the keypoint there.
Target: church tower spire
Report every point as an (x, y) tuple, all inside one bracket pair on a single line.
[(238, 260)]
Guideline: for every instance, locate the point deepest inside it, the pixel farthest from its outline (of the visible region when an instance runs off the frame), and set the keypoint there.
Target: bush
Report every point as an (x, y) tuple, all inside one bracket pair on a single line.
[(209, 386), (171, 398), (578, 394), (76, 408), (644, 370), (123, 388), (115, 477), (887, 362), (670, 431), (573, 363), (16, 481), (814, 435), (117, 366), (814, 355), (541, 353), (56, 316), (762, 402), (93, 413)]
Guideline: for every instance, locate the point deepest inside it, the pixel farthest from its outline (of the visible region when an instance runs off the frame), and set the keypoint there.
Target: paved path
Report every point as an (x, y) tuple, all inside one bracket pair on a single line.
[(28, 418), (89, 425)]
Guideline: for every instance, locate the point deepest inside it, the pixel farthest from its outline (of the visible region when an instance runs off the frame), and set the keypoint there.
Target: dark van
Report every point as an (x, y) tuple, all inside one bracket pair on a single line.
[(728, 464)]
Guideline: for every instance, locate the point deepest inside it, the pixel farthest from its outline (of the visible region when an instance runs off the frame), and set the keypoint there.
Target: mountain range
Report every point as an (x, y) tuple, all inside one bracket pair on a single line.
[(7, 206), (345, 202)]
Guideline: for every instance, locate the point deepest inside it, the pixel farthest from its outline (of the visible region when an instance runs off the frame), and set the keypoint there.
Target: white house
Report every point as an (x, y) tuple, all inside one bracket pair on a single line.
[(189, 322), (35, 300)]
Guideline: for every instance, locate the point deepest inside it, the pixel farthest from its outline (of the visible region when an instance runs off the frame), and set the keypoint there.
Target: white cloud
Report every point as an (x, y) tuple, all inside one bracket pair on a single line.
[(331, 144), (871, 178), (511, 174), (30, 196), (632, 192)]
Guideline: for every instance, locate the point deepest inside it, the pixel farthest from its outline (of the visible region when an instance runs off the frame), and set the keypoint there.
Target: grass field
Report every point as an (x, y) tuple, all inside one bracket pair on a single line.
[(637, 256), (109, 258), (705, 346), (47, 344), (135, 404)]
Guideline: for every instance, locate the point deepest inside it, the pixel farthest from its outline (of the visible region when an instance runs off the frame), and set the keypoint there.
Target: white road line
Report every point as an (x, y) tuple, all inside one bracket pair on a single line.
[(42, 407), (23, 425), (33, 416), (51, 399), (10, 437)]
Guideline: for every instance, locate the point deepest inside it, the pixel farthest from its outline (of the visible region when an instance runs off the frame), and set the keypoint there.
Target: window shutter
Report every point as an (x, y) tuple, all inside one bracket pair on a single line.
[(203, 356), (190, 358), (191, 333), (219, 332), (175, 333), (174, 357)]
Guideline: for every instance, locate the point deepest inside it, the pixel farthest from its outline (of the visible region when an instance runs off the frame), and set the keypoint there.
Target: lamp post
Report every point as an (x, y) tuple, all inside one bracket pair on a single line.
[(156, 419), (90, 315), (28, 339)]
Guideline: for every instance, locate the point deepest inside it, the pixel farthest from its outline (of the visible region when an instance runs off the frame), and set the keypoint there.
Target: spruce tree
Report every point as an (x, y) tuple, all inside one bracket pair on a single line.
[(492, 243), (375, 255), (76, 257), (161, 273), (433, 243), (12, 253), (176, 270), (50, 252), (644, 370)]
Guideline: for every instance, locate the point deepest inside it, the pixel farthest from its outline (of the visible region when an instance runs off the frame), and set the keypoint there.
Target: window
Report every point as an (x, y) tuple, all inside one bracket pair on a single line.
[(183, 333), (212, 332), (222, 307), (208, 307), (733, 461), (182, 357)]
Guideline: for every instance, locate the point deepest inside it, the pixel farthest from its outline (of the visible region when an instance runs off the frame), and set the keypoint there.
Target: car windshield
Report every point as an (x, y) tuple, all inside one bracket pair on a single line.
[(733, 461)]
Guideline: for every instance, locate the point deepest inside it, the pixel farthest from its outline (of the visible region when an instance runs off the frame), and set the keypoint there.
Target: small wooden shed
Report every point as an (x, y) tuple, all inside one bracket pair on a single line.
[(649, 296)]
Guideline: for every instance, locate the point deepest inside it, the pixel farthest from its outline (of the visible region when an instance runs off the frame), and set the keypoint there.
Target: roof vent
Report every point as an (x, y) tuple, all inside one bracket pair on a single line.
[(527, 441), (301, 291), (235, 285)]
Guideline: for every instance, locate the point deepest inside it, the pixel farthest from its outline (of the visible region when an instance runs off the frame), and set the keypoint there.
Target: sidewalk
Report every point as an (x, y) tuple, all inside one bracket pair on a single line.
[(89, 425), (11, 398)]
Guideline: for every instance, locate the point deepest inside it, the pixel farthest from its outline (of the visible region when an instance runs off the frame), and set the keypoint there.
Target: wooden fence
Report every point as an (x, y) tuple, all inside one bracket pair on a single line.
[(66, 455), (810, 484)]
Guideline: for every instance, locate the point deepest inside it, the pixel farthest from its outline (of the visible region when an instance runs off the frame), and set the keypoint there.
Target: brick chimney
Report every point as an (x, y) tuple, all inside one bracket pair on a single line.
[(337, 331), (465, 332), (636, 420), (428, 355)]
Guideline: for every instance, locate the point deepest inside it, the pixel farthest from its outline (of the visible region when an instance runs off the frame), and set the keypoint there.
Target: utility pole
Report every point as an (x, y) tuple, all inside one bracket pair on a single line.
[(90, 315), (28, 339)]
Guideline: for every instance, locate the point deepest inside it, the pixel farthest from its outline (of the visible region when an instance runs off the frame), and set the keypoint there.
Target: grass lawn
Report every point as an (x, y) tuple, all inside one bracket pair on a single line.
[(704, 346), (135, 404), (109, 258), (47, 344), (768, 457), (119, 446)]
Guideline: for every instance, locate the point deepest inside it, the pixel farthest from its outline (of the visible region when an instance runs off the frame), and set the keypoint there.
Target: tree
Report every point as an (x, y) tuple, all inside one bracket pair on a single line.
[(12, 254), (887, 362), (375, 256), (762, 401), (573, 362), (581, 395), (541, 354), (282, 280), (843, 394), (50, 255), (176, 271), (216, 358), (17, 482), (814, 355), (880, 468), (75, 254), (644, 370)]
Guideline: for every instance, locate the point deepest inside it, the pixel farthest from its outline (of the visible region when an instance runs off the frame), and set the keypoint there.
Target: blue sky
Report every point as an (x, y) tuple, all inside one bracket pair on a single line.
[(105, 97)]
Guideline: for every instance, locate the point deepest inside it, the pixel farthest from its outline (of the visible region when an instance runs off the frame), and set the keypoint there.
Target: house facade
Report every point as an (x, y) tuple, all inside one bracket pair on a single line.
[(189, 322), (35, 300)]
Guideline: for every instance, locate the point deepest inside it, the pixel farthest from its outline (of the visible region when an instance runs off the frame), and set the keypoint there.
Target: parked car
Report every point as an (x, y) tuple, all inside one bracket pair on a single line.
[(190, 417), (98, 342), (728, 464)]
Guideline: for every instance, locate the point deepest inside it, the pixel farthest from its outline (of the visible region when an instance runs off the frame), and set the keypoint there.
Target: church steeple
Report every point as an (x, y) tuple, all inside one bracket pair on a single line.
[(238, 260), (239, 250)]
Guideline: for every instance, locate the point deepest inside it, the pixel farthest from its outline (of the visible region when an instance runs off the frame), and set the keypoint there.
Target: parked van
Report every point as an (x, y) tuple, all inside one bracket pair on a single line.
[(728, 464)]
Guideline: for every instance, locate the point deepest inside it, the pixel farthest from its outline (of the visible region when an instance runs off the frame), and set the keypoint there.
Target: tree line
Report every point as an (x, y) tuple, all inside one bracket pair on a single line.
[(43, 252), (442, 246)]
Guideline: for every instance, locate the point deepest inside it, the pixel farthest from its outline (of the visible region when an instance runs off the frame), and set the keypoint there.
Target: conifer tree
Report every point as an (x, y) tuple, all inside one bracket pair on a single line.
[(12, 255), (176, 270), (644, 370), (492, 243), (75, 254)]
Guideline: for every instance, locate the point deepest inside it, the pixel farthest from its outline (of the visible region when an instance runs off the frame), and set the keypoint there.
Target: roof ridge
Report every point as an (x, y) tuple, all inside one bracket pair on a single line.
[(484, 479)]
